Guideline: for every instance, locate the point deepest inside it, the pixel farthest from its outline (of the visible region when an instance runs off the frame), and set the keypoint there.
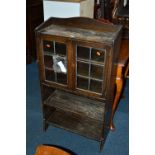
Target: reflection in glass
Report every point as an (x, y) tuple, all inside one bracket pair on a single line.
[(82, 68), (59, 64), (83, 52), (96, 86), (48, 46), (97, 55), (82, 83)]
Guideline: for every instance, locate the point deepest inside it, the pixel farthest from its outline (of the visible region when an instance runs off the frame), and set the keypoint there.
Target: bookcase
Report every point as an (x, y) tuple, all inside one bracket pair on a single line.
[(76, 59)]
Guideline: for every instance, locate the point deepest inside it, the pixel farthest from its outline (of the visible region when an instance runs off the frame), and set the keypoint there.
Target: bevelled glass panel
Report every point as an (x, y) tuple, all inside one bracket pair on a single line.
[(83, 52), (96, 71), (48, 61), (62, 78), (50, 75), (82, 83), (48, 47), (97, 55), (60, 49), (82, 68), (96, 86)]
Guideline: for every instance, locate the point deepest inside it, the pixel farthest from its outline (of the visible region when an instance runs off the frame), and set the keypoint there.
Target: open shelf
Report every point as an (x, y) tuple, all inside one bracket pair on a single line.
[(75, 113), (84, 126), (77, 104)]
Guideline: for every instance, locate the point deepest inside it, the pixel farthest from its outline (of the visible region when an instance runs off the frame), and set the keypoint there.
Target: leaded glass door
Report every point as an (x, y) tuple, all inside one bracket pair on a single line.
[(90, 65), (55, 61)]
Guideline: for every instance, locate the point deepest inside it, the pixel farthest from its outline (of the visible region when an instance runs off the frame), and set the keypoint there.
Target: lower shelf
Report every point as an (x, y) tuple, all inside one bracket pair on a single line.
[(84, 126), (75, 113)]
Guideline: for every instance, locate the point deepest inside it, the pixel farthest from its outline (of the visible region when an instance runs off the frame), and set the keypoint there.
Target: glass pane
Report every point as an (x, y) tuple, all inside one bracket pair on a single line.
[(96, 86), (62, 78), (82, 68), (50, 75), (60, 49), (96, 72), (59, 64), (48, 61), (82, 83), (48, 47), (97, 55), (83, 52)]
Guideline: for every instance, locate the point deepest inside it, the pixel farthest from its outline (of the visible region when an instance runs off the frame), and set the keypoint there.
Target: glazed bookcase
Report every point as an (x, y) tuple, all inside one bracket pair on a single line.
[(76, 59)]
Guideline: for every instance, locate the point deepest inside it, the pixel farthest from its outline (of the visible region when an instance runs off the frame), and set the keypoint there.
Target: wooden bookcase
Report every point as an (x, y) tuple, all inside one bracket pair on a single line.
[(76, 58)]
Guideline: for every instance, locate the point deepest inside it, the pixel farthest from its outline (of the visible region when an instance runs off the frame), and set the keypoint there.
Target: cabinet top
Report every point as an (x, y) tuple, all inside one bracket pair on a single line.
[(80, 28)]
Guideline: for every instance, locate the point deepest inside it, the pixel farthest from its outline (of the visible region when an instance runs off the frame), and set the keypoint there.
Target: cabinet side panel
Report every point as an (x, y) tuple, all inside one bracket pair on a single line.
[(110, 88)]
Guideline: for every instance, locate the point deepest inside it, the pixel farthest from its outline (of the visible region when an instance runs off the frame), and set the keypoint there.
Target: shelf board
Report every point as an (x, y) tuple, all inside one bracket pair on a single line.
[(75, 113), (76, 104), (75, 123)]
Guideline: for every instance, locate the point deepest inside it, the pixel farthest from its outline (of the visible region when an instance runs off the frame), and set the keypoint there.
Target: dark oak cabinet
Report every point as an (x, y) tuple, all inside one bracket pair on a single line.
[(76, 58)]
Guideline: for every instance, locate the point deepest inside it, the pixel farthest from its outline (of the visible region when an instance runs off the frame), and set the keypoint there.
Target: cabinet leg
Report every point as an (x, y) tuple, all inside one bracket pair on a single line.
[(45, 125), (119, 86)]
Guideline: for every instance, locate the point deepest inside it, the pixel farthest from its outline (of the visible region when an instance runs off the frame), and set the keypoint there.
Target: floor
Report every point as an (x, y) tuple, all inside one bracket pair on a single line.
[(117, 143)]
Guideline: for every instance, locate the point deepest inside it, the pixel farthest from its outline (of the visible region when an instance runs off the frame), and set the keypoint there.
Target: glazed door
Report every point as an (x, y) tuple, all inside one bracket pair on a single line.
[(54, 53), (91, 69)]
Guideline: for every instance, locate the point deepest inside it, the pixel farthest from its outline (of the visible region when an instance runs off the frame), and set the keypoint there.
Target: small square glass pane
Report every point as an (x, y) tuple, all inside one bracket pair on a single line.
[(97, 55), (60, 49), (96, 72), (82, 68), (59, 64), (82, 83), (48, 61), (62, 78), (48, 47), (96, 86), (50, 75), (83, 52)]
